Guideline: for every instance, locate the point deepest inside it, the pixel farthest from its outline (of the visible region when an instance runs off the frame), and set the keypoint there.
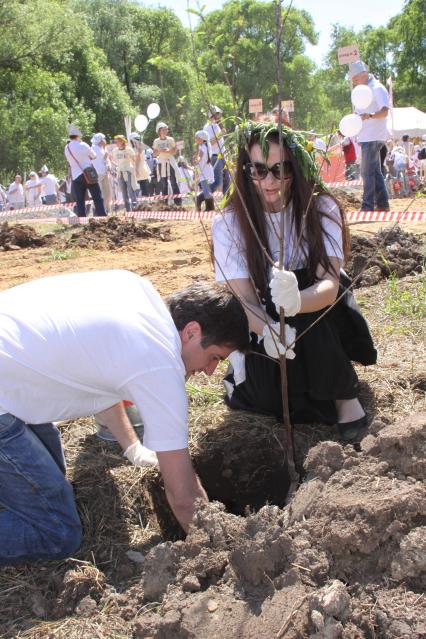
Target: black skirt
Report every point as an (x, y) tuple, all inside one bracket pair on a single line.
[(321, 371)]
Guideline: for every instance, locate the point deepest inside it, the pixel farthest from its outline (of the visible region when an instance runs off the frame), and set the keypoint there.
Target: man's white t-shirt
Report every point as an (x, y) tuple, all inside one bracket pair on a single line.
[(83, 155), (73, 345), (48, 184), (216, 138), (375, 129), (229, 247)]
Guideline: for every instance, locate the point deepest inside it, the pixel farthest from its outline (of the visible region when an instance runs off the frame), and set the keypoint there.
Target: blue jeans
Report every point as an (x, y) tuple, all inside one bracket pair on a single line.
[(221, 175), (375, 196), (126, 188), (38, 515)]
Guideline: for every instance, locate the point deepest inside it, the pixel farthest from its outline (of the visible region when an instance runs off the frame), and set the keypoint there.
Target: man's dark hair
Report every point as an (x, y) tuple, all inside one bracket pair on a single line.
[(74, 137), (219, 313)]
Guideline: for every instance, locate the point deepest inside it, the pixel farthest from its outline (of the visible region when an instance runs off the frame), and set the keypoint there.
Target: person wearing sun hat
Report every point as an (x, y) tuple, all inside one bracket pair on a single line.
[(123, 157), (102, 166), (204, 169), (164, 148), (33, 190), (80, 156), (372, 137)]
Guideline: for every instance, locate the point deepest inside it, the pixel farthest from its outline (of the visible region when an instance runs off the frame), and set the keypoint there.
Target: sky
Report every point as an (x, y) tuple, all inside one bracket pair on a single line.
[(325, 13)]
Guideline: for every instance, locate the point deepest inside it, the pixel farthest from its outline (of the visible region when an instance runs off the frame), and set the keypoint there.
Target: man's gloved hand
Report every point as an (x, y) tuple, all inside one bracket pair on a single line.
[(139, 455), (285, 291), (272, 344)]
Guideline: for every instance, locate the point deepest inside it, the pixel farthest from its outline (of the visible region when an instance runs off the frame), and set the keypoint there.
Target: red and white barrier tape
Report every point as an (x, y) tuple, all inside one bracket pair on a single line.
[(345, 183), (351, 216)]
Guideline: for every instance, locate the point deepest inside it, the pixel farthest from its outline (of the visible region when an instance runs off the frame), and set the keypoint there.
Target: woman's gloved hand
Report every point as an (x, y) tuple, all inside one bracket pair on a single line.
[(272, 344), (141, 456), (285, 291)]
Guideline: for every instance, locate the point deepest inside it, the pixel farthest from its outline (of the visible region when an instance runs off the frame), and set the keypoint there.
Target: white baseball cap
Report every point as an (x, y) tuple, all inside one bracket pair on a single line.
[(73, 130), (203, 135), (98, 137), (214, 109), (160, 125), (355, 68)]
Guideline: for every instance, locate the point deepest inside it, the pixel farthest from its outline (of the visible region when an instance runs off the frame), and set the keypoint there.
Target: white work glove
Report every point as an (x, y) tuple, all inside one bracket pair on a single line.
[(141, 456), (272, 344), (285, 291)]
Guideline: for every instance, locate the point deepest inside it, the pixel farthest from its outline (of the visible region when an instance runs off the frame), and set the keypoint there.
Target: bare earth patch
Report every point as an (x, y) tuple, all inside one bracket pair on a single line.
[(346, 558)]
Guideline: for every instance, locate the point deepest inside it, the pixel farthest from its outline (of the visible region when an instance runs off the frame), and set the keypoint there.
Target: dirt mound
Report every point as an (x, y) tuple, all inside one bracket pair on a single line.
[(387, 252), (349, 200), (21, 236), (114, 232), (345, 559)]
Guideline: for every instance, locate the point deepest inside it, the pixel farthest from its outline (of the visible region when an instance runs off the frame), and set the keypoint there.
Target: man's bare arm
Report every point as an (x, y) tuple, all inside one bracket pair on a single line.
[(182, 485)]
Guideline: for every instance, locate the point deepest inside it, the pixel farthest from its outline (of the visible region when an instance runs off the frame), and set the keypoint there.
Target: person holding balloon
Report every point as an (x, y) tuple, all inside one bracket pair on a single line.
[(371, 102)]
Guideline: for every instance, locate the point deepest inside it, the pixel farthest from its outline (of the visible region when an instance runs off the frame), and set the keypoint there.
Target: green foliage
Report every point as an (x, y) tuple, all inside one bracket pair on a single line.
[(94, 61), (402, 301)]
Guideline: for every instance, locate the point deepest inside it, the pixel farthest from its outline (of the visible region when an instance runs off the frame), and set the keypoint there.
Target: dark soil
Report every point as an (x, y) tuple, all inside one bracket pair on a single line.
[(114, 232), (348, 200), (16, 236), (389, 252)]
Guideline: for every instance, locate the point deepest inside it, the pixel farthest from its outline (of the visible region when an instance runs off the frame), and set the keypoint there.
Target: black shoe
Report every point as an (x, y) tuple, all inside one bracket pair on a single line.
[(353, 432)]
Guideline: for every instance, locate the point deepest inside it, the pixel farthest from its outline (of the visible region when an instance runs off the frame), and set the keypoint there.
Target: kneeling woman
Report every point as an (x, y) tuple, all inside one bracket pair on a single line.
[(322, 383)]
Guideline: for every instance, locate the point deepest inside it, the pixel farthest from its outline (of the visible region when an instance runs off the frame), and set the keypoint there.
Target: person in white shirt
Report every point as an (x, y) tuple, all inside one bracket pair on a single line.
[(80, 156), (102, 165), (164, 149), (204, 170), (3, 198), (216, 131), (15, 193), (372, 138), (33, 190), (123, 158), (49, 187), (81, 343), (247, 244)]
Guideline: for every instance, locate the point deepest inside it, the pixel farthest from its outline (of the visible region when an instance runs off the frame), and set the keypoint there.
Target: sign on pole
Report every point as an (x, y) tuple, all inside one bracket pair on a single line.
[(348, 54), (180, 144), (287, 105), (256, 105)]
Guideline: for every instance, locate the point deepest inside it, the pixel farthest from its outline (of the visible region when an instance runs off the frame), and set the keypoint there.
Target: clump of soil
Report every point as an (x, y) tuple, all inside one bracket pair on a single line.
[(114, 232), (21, 236), (387, 252), (348, 200), (160, 205)]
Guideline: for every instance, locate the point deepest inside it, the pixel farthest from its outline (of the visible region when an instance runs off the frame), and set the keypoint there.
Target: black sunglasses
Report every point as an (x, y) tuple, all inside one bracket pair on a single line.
[(259, 171)]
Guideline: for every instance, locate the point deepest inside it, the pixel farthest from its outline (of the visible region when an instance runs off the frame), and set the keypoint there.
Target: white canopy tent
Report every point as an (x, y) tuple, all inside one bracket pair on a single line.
[(407, 121)]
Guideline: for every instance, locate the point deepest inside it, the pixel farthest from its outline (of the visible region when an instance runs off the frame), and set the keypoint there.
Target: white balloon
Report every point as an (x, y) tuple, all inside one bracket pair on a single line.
[(350, 125), (362, 96), (153, 110), (141, 122)]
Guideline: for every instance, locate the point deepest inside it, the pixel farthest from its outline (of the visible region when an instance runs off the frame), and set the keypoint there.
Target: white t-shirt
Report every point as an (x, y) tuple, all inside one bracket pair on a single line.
[(204, 167), (48, 184), (99, 162), (83, 155), (73, 345), (166, 144), (229, 247), (15, 193), (375, 129), (216, 138)]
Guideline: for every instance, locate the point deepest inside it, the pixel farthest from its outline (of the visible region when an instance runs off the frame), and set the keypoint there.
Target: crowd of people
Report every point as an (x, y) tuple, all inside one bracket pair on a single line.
[(127, 170)]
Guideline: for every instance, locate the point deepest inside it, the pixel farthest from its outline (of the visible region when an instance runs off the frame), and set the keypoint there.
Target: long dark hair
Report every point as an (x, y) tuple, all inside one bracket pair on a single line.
[(304, 196)]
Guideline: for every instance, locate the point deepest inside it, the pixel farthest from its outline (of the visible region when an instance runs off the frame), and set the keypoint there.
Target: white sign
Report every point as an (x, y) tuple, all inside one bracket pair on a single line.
[(256, 105), (287, 105), (180, 144), (348, 54)]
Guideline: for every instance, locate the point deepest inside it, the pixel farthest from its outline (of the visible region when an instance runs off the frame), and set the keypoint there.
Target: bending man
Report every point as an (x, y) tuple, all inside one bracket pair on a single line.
[(77, 344)]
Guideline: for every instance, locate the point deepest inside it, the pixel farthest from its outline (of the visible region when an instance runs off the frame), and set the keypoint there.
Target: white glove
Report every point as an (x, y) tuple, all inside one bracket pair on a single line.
[(139, 455), (272, 344), (285, 291)]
